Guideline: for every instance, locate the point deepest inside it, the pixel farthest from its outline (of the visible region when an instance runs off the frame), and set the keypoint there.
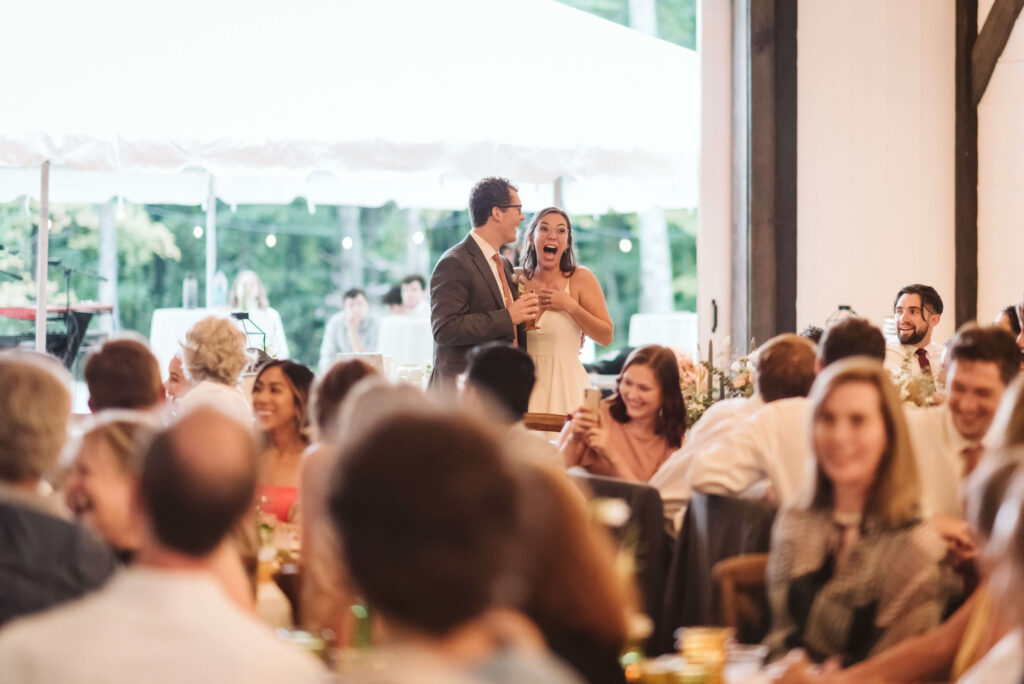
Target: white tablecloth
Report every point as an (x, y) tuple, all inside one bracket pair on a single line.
[(677, 330), (407, 340)]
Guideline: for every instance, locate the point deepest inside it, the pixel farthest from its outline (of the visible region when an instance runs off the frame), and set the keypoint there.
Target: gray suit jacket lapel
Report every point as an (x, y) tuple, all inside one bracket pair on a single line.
[(484, 269)]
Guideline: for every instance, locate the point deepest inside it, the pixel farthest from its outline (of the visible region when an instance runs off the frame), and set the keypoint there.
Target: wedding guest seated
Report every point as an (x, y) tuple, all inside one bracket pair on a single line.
[(166, 618), (103, 479), (772, 443), (783, 367), (177, 384), (414, 296), (574, 593), (637, 428), (392, 301), (214, 357), (124, 374), (44, 559), (947, 438), (950, 650), (280, 397), (917, 310), (1004, 662), (812, 333), (324, 602), (857, 570), (498, 372), (426, 510), (351, 330), (1008, 320)]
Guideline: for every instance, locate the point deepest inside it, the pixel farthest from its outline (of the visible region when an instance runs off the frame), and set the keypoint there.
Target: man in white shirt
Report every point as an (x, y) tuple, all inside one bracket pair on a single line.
[(947, 439), (166, 618), (774, 443), (917, 310), (783, 367)]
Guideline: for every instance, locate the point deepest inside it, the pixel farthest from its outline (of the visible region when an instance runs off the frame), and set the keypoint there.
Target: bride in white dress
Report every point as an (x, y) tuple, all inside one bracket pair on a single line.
[(572, 306)]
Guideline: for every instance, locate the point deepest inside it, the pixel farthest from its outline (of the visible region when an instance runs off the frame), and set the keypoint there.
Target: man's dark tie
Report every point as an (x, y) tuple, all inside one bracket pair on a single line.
[(922, 360)]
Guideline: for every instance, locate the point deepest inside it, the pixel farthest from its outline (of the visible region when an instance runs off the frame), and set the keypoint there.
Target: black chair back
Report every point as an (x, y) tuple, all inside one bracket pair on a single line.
[(645, 527), (714, 528)]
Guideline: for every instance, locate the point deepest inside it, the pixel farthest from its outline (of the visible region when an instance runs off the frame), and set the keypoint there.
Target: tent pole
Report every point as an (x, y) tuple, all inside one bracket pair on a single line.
[(42, 256), (211, 243), (560, 193)]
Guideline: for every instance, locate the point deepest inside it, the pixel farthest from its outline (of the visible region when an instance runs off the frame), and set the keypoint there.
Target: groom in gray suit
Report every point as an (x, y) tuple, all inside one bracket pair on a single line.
[(473, 298)]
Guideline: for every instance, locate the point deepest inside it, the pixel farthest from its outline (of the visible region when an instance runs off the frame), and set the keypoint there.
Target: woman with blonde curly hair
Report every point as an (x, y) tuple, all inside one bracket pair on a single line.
[(213, 356), (280, 396)]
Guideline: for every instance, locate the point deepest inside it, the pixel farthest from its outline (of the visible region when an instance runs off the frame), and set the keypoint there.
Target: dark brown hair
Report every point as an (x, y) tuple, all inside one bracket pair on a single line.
[(670, 422), (784, 367), (332, 388), (487, 194), (528, 260), (426, 512), (851, 337), (123, 374), (991, 344)]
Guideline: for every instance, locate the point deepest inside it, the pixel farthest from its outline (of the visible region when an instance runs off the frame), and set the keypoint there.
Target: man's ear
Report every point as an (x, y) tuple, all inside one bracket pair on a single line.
[(933, 320), (818, 365)]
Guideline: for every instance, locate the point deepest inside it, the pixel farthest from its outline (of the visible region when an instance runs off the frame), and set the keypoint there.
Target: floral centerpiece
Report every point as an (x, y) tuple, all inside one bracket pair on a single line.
[(923, 389), (704, 383)]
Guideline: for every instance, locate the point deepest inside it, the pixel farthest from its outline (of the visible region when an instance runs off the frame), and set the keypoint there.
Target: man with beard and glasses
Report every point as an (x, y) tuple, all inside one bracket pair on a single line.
[(917, 310)]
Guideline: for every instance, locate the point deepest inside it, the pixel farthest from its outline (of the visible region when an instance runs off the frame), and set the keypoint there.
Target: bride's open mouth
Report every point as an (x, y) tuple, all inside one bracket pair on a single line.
[(550, 249)]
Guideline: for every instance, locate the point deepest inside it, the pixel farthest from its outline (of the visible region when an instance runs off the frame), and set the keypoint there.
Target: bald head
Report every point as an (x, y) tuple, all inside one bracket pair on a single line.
[(198, 478)]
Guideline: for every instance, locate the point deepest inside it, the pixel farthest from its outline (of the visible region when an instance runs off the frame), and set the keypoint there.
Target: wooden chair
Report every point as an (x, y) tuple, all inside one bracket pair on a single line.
[(741, 591), (544, 422)]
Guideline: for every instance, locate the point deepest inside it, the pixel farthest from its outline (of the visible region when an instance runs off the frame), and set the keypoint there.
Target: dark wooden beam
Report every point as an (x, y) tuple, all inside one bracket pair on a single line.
[(966, 166), (990, 44), (772, 185)]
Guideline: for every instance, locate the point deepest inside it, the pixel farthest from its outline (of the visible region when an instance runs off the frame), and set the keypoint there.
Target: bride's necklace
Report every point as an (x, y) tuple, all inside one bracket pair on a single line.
[(846, 519)]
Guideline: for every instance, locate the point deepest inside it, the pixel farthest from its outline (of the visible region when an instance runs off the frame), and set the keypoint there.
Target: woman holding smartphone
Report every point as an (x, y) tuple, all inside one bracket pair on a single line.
[(573, 306), (632, 432)]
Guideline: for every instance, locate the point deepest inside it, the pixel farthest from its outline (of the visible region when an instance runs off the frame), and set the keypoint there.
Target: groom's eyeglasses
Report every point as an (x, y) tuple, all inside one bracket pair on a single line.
[(511, 206)]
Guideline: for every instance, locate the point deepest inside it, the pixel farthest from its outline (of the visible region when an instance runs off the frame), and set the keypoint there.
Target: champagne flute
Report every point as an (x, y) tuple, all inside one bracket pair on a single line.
[(520, 279)]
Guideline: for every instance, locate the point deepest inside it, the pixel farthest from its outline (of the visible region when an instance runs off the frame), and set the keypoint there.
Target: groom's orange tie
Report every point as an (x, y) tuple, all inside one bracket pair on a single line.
[(506, 293)]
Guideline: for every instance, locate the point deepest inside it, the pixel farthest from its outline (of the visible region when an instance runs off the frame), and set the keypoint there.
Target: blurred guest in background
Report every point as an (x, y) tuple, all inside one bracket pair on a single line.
[(124, 374), (44, 559), (572, 305), (636, 429), (414, 296), (249, 295), (214, 358), (324, 602), (177, 385), (857, 570), (426, 510), (501, 373), (352, 330), (102, 481), (575, 595), (167, 617), (392, 301), (280, 398)]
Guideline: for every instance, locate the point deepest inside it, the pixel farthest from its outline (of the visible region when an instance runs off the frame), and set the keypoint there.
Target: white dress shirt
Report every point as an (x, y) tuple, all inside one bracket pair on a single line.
[(153, 626), (772, 443), (672, 479), (775, 444), (940, 463), (896, 354), (1003, 663), (489, 253)]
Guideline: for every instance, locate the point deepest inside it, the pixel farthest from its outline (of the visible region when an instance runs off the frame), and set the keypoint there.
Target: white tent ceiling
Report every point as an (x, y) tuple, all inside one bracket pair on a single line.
[(343, 102)]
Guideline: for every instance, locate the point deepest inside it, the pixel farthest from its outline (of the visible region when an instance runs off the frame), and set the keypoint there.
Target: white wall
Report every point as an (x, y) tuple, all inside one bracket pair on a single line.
[(875, 154), (1001, 178)]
